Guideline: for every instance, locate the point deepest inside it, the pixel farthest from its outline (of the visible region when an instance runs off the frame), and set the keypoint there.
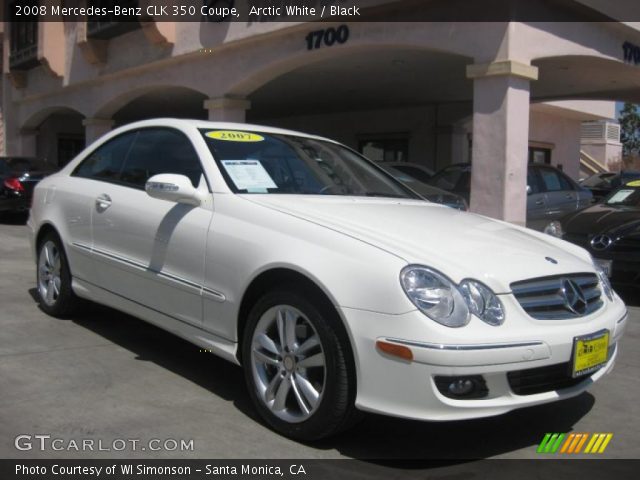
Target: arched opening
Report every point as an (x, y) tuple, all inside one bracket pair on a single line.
[(392, 103), (154, 102), (57, 135)]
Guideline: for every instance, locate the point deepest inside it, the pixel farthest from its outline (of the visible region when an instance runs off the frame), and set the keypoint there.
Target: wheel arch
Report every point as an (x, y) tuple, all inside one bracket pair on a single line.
[(268, 280), (42, 231)]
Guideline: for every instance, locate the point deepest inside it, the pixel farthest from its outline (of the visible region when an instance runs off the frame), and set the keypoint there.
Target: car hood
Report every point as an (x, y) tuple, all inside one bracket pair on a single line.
[(602, 219), (459, 244)]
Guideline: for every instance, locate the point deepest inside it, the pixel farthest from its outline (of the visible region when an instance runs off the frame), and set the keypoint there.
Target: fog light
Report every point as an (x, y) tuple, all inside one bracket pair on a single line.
[(462, 388)]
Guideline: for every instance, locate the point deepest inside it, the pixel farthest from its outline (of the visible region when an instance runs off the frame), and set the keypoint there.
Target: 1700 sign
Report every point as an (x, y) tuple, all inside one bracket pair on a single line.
[(327, 37)]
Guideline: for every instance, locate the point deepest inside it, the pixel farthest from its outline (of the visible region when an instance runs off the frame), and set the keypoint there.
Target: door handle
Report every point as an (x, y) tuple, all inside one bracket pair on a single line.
[(569, 196), (539, 202), (103, 202)]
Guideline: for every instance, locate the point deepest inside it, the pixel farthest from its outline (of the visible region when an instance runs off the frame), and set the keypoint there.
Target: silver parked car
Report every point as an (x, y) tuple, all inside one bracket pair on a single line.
[(551, 194)]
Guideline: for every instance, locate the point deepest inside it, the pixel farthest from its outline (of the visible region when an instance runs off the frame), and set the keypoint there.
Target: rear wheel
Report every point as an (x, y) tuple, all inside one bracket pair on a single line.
[(54, 278), (297, 366)]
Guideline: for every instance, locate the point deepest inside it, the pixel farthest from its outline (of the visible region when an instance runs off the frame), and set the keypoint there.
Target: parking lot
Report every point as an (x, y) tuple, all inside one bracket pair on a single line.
[(104, 375)]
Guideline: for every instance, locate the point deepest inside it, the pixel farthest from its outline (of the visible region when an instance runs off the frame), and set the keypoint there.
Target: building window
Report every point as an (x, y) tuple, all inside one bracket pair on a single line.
[(23, 48), (68, 147), (385, 148), (540, 155), (109, 26)]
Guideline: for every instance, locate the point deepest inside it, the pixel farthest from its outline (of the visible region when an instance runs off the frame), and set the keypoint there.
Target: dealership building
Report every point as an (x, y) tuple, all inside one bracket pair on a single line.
[(499, 94)]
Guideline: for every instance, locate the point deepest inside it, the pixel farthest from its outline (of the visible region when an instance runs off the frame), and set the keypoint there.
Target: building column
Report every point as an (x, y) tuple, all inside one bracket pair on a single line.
[(94, 128), (28, 142), (227, 109), (500, 139)]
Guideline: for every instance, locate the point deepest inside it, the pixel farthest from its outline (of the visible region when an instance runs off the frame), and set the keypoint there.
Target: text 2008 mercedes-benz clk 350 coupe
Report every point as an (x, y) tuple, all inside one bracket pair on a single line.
[(336, 287)]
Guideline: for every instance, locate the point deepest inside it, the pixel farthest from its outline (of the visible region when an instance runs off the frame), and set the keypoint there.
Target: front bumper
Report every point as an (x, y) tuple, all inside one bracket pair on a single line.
[(392, 386)]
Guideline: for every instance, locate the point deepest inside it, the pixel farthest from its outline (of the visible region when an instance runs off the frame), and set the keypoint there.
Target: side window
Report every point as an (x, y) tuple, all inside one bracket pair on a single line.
[(532, 181), (554, 181), (106, 162), (161, 150)]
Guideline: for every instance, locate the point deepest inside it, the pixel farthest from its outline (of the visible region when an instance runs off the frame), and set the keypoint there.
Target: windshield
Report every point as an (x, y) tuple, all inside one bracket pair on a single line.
[(285, 164), (625, 196), (452, 178), (599, 180)]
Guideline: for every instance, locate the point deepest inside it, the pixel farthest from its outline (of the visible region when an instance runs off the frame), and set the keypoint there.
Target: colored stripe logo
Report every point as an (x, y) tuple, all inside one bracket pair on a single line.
[(574, 443)]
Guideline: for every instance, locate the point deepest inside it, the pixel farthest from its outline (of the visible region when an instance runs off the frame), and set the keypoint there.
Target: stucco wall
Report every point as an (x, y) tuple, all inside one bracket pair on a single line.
[(564, 134)]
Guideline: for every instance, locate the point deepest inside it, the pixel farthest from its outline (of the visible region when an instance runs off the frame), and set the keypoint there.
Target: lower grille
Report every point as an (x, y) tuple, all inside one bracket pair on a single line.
[(547, 379), (559, 297), (543, 379)]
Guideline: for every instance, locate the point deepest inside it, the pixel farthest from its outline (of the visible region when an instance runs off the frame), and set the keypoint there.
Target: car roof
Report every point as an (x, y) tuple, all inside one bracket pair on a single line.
[(205, 125)]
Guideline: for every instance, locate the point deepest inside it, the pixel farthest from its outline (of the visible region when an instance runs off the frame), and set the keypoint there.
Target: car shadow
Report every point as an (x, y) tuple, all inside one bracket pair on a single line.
[(376, 439), (11, 218)]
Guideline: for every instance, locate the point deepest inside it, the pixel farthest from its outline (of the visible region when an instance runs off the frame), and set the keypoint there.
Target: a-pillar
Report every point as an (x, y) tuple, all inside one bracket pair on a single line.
[(227, 109), (94, 128), (500, 139)]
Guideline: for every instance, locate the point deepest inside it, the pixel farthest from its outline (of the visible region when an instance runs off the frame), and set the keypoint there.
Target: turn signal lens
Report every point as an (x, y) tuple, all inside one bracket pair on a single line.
[(400, 351)]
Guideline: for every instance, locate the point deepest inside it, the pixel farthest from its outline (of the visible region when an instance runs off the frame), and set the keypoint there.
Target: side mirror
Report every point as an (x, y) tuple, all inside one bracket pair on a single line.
[(173, 188), (528, 189)]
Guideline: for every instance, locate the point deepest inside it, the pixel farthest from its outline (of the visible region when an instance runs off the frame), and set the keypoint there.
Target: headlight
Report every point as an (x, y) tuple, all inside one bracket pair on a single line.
[(482, 302), (435, 295), (554, 229), (604, 281)]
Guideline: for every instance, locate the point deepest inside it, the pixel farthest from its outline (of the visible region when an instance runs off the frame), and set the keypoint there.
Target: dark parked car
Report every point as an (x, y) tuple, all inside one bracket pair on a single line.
[(18, 176), (551, 194), (611, 232), (429, 192), (602, 184)]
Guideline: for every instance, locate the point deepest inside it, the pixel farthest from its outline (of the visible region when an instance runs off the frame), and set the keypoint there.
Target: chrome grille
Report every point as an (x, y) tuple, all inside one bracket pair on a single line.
[(559, 297)]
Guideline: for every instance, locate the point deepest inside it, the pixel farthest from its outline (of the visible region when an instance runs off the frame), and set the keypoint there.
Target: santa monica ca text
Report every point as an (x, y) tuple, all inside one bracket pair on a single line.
[(152, 470)]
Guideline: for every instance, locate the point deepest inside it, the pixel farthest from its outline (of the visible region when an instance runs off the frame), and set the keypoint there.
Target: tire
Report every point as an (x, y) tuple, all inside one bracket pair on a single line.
[(53, 278), (305, 391)]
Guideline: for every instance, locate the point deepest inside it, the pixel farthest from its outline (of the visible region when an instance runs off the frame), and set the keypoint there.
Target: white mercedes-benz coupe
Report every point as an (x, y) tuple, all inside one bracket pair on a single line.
[(336, 287)]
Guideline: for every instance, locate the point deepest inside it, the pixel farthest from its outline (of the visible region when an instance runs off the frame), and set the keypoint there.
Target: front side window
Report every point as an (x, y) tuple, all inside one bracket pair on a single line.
[(132, 158), (160, 150), (554, 181), (254, 162)]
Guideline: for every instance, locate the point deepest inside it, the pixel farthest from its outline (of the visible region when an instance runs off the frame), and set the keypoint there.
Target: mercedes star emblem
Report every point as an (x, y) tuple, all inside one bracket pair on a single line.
[(574, 299), (601, 242)]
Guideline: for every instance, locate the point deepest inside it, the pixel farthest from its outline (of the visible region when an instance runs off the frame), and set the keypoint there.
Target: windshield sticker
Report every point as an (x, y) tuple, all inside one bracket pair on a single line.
[(248, 175), (635, 183), (234, 136), (620, 196)]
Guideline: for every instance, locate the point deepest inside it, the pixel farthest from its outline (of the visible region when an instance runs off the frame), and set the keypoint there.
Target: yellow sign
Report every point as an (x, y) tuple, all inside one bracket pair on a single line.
[(590, 354), (635, 183), (235, 136)]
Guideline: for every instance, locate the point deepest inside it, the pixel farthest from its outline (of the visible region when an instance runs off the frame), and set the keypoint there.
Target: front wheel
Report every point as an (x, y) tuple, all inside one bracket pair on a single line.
[(296, 364)]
